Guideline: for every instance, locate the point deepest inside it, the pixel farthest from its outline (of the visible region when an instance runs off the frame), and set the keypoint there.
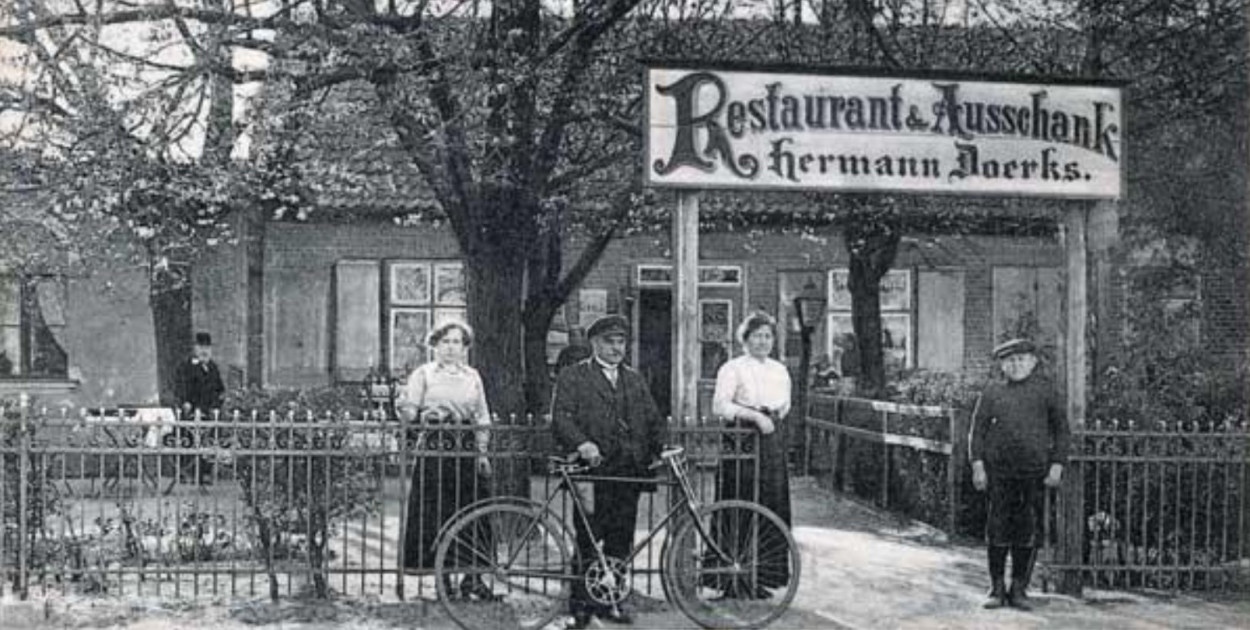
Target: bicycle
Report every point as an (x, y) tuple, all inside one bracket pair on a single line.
[(728, 564)]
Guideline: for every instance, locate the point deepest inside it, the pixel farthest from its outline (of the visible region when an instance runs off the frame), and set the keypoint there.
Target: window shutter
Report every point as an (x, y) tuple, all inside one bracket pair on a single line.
[(357, 318)]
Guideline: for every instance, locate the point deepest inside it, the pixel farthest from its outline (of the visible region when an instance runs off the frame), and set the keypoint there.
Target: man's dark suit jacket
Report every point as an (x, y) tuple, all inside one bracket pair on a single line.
[(199, 384), (622, 421)]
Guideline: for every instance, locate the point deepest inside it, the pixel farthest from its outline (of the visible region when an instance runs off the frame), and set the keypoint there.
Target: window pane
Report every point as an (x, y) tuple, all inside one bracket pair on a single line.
[(449, 284), (47, 357), (839, 290), (444, 315), (51, 293), (896, 340), (896, 290), (10, 305), (410, 283), (407, 341), (10, 347)]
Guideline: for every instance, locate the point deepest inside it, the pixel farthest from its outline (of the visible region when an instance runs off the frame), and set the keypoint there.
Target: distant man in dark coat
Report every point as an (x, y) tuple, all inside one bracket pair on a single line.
[(604, 410), (197, 383), (198, 387), (1018, 447)]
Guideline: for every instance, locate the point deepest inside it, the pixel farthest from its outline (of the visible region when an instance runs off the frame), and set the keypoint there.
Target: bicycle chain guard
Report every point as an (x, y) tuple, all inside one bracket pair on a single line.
[(608, 581)]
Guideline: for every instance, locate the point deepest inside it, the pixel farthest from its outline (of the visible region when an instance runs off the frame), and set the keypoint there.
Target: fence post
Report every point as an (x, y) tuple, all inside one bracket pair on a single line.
[(954, 465), (23, 498), (885, 460), (1072, 524)]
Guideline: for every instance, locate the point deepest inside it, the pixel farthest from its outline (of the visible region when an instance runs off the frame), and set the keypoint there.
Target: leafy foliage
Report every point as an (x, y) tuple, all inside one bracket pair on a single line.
[(317, 477)]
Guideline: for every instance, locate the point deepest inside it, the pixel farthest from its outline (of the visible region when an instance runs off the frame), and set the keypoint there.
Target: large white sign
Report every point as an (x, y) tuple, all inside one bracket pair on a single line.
[(711, 128)]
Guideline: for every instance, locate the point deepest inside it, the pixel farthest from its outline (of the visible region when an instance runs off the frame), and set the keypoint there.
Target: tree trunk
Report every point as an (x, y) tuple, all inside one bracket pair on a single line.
[(866, 320), (494, 277), (171, 317), (537, 379), (872, 240)]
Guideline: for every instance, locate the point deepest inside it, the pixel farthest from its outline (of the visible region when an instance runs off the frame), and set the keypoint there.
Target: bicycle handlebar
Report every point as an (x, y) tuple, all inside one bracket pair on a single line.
[(575, 459)]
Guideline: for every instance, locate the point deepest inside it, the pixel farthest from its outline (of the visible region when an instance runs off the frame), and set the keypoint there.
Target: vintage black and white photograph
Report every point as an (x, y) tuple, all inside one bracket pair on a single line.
[(656, 314)]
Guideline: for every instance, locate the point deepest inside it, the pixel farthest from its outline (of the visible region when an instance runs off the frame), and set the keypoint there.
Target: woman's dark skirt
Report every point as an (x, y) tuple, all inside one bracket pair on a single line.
[(737, 479), (442, 483)]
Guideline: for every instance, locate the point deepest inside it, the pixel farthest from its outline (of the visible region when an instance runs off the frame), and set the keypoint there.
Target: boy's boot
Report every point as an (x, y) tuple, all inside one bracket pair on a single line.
[(998, 591), (1021, 562)]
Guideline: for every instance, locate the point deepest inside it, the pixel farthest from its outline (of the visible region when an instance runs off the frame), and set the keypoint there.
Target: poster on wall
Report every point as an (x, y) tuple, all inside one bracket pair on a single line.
[(895, 290), (715, 322), (408, 329), (592, 304), (896, 342)]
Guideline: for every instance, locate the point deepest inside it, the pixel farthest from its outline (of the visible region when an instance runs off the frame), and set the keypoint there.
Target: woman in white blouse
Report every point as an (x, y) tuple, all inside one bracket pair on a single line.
[(753, 391)]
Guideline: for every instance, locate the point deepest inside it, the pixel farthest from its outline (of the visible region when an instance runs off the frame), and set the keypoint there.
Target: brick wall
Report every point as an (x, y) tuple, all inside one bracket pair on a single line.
[(300, 259)]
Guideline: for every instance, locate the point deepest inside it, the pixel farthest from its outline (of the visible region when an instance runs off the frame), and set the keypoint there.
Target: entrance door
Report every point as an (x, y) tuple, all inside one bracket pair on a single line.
[(655, 338)]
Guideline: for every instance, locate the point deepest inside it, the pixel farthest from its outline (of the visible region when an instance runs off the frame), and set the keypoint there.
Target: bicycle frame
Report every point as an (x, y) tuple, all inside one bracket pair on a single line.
[(687, 503)]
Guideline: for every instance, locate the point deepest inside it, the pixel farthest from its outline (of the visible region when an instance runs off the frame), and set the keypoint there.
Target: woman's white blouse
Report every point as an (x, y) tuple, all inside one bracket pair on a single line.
[(457, 388), (750, 382)]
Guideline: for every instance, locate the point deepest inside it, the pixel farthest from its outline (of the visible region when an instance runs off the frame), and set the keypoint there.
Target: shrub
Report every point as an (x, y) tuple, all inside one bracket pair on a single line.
[(296, 496)]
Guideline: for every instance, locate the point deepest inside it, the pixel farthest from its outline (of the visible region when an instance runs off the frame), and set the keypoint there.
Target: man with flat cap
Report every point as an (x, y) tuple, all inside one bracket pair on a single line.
[(1018, 446), (603, 410), (198, 387)]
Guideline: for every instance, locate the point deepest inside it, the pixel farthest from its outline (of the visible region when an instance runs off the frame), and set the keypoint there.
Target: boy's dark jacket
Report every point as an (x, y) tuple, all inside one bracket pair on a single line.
[(623, 422), (1019, 428)]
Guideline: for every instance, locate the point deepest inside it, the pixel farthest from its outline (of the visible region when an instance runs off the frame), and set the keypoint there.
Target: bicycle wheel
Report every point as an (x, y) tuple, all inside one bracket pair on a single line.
[(734, 566), (504, 565)]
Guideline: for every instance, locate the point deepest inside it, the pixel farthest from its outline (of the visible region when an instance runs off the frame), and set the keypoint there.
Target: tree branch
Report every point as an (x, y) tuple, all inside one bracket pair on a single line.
[(576, 64), (622, 203)]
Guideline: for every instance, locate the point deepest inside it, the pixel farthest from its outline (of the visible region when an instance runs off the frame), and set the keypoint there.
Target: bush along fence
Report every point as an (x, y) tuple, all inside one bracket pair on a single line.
[(281, 503), (905, 458), (1163, 506)]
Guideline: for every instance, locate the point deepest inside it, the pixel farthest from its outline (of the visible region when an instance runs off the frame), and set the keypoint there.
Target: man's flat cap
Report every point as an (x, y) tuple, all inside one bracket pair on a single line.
[(608, 325), (1013, 346)]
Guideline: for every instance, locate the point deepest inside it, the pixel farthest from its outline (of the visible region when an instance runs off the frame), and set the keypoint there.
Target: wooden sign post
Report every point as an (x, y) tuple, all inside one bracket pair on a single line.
[(685, 337)]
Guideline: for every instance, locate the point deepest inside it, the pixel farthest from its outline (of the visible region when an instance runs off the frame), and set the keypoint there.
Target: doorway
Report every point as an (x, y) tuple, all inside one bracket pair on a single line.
[(655, 338)]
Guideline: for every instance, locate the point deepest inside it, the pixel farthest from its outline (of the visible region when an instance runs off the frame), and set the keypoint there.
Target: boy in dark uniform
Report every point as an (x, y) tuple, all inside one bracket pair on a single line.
[(1018, 446)]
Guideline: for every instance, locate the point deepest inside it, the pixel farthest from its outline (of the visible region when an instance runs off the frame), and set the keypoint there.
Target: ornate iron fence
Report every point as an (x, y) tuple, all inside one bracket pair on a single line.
[(1162, 506), (140, 502), (1151, 507)]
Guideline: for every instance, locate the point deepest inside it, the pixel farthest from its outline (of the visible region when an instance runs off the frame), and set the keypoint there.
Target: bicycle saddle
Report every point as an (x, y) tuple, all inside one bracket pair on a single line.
[(571, 464)]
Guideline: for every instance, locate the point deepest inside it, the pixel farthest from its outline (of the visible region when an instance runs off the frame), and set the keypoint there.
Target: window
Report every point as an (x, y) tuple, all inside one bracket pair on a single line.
[(715, 335), (420, 295), (896, 321), (32, 323), (384, 309), (709, 275)]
